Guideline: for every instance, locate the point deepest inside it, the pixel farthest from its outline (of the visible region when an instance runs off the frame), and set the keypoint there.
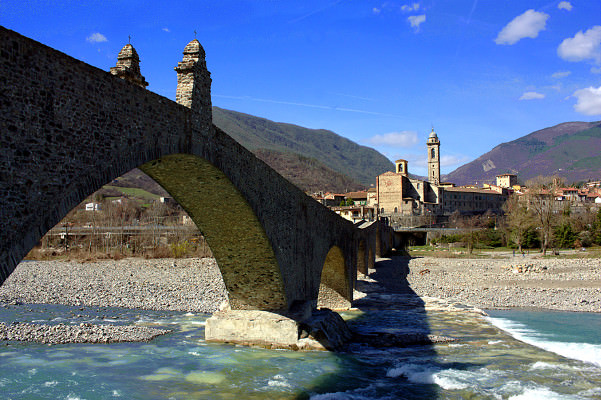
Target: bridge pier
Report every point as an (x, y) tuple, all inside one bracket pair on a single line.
[(317, 330)]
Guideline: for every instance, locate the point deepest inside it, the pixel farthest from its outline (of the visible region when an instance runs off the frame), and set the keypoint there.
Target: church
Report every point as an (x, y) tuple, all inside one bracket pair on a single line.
[(399, 194)]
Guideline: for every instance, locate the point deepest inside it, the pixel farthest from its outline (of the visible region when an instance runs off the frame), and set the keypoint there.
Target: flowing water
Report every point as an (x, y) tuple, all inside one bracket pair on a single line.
[(548, 362)]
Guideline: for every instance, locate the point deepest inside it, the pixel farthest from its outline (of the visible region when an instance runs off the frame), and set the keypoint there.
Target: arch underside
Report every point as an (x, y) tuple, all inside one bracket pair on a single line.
[(334, 287), (238, 241)]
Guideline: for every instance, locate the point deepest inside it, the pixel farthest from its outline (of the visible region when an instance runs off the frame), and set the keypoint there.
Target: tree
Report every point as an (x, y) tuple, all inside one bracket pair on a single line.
[(518, 219), (564, 235), (470, 226), (541, 201)]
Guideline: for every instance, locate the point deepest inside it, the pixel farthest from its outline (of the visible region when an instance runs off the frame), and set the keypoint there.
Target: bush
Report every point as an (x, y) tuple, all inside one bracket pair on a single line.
[(530, 239), (565, 236), (179, 249)]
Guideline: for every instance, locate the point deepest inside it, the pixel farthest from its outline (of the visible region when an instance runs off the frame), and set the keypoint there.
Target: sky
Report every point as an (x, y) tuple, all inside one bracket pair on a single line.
[(380, 73)]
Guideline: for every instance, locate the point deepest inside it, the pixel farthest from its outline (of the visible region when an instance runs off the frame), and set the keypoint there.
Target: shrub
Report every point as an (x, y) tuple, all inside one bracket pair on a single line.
[(179, 249)]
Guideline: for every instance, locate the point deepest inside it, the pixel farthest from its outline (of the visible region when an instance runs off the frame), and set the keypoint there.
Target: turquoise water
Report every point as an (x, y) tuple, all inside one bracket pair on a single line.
[(487, 362)]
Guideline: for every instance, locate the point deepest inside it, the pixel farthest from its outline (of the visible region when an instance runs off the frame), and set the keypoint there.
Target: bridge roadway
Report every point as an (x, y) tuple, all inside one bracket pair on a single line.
[(68, 128)]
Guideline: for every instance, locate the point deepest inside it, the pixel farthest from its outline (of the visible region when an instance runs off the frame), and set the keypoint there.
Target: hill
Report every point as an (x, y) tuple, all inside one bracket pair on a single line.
[(361, 164), (306, 173), (571, 150)]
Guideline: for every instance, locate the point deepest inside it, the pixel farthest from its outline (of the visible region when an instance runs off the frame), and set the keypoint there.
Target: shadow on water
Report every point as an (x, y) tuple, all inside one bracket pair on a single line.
[(401, 362)]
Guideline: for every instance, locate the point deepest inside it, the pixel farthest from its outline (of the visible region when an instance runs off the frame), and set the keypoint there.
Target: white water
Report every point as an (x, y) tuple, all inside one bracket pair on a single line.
[(587, 352)]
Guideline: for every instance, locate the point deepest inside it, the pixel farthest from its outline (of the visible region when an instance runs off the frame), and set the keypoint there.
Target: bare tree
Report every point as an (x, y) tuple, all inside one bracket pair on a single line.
[(518, 219), (541, 202)]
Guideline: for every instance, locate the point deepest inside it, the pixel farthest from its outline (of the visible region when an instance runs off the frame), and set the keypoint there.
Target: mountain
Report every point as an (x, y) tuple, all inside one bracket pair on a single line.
[(345, 157), (306, 173), (571, 150)]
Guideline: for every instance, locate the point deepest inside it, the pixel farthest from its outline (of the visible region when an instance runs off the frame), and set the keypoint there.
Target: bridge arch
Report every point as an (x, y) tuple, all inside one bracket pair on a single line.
[(334, 284), (362, 254), (68, 128), (236, 237)]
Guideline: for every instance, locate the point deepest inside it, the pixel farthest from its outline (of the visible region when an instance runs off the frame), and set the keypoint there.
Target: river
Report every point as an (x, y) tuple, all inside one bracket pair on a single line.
[(555, 358)]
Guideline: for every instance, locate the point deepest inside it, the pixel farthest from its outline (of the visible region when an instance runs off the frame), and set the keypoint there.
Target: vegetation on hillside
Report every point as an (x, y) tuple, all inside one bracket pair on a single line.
[(309, 174), (361, 164)]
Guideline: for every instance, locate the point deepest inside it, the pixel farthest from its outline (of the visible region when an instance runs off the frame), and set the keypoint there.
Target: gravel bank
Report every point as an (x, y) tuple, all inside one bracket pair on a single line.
[(569, 285), (190, 284), (82, 333)]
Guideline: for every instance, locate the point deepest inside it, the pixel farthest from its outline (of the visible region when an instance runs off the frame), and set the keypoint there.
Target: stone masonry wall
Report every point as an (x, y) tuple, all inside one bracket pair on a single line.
[(67, 128)]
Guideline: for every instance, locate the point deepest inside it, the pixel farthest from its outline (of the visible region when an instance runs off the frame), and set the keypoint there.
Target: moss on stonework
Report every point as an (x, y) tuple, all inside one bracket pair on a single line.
[(237, 239)]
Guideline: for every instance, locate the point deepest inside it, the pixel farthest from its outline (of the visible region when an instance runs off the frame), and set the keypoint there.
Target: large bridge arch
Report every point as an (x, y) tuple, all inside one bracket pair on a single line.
[(237, 239), (67, 128)]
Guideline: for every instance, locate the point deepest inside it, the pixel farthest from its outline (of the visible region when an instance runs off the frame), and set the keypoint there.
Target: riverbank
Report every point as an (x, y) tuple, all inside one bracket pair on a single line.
[(188, 284), (513, 282), (196, 285)]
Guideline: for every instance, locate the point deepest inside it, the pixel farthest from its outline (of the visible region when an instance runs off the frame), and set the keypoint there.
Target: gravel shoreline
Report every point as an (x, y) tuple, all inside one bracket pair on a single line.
[(553, 284), (191, 285), (196, 285)]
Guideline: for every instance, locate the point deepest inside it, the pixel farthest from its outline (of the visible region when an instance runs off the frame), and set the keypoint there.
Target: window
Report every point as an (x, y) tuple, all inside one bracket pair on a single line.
[(433, 153)]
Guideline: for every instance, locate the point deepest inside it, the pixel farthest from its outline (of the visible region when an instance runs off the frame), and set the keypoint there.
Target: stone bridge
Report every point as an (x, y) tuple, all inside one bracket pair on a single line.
[(68, 128)]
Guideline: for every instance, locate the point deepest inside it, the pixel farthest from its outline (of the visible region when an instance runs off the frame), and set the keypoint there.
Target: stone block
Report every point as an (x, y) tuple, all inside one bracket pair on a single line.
[(252, 327)]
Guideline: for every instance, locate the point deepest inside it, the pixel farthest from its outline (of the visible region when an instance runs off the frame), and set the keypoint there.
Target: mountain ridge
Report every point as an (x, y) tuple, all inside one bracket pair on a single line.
[(571, 150)]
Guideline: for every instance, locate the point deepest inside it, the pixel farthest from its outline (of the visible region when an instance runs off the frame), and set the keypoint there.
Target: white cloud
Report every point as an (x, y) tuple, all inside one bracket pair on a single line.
[(410, 7), (452, 160), (532, 96), (166, 30), (526, 25), (561, 74), (564, 5), (376, 10), (582, 46), (416, 21), (96, 37), (589, 101), (395, 139)]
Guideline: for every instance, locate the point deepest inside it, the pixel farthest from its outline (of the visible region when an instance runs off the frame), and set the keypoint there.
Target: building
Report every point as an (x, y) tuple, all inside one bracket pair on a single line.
[(507, 180), (355, 213), (93, 206), (433, 158), (470, 201), (358, 198), (400, 195)]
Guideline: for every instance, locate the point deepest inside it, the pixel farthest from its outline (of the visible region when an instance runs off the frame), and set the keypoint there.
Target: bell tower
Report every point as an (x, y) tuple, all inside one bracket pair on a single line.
[(433, 158)]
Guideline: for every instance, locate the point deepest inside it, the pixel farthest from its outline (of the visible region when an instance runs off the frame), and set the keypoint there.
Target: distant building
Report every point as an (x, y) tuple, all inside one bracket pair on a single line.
[(93, 207), (332, 199), (358, 198), (433, 158), (166, 200), (507, 180), (372, 198), (355, 213), (400, 195)]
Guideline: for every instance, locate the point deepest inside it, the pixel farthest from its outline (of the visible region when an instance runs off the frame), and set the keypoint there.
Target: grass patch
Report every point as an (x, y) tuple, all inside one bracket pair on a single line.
[(135, 192)]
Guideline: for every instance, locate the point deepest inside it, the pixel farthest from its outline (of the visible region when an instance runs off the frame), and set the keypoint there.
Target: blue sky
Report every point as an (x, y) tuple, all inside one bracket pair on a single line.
[(380, 73)]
